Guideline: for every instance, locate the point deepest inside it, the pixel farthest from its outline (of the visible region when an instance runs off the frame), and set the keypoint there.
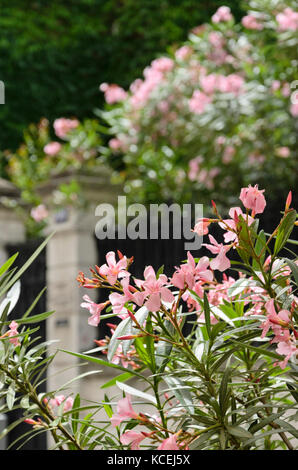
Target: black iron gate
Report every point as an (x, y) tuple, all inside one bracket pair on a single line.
[(32, 282)]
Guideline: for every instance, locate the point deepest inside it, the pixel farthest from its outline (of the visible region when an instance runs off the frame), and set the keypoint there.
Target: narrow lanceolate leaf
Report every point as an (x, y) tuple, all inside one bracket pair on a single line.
[(223, 389), (10, 396), (5, 267), (294, 268), (259, 248), (237, 431), (178, 387), (284, 231), (123, 329), (120, 378), (135, 392), (101, 362), (20, 272), (207, 315)]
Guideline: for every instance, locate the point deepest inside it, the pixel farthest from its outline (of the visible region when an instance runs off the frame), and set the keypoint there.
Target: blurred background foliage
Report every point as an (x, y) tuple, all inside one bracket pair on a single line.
[(54, 54)]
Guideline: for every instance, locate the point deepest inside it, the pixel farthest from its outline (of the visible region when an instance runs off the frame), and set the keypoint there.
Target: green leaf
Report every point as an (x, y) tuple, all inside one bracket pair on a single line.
[(223, 389), (25, 266), (104, 363), (119, 378), (75, 413), (284, 231), (294, 268), (207, 315), (10, 396), (135, 392), (237, 431), (123, 329), (178, 387), (8, 263), (293, 391), (260, 244)]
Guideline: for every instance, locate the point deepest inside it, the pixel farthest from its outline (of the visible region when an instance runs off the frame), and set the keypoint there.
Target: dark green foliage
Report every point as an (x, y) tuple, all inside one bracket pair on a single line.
[(54, 54)]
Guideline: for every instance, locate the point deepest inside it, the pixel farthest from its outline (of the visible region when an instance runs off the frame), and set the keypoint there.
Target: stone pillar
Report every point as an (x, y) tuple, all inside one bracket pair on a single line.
[(72, 249)]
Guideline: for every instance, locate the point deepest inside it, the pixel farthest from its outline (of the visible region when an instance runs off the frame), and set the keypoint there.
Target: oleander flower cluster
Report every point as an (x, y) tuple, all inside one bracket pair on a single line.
[(221, 104)]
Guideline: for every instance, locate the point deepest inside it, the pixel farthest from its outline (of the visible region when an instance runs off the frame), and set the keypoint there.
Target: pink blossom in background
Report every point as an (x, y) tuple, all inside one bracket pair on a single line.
[(198, 102), (228, 154), (125, 411), (251, 22), (283, 152), (169, 444), (287, 20), (39, 213), (63, 125), (194, 166), (133, 438), (115, 144), (52, 148), (286, 90), (162, 64), (294, 109), (223, 14), (275, 85), (113, 93), (94, 309), (252, 198), (183, 52), (216, 39)]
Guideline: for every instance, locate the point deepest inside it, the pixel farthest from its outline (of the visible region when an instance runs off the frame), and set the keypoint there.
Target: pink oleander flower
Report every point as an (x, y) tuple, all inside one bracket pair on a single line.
[(251, 22), (169, 444), (59, 399), (52, 148), (253, 199), (114, 270), (155, 289), (130, 294), (221, 262), (125, 411), (133, 439), (201, 227), (94, 309), (287, 20), (198, 102), (222, 14), (39, 213), (188, 273), (13, 331), (275, 321), (63, 125), (288, 349), (234, 213), (113, 93)]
